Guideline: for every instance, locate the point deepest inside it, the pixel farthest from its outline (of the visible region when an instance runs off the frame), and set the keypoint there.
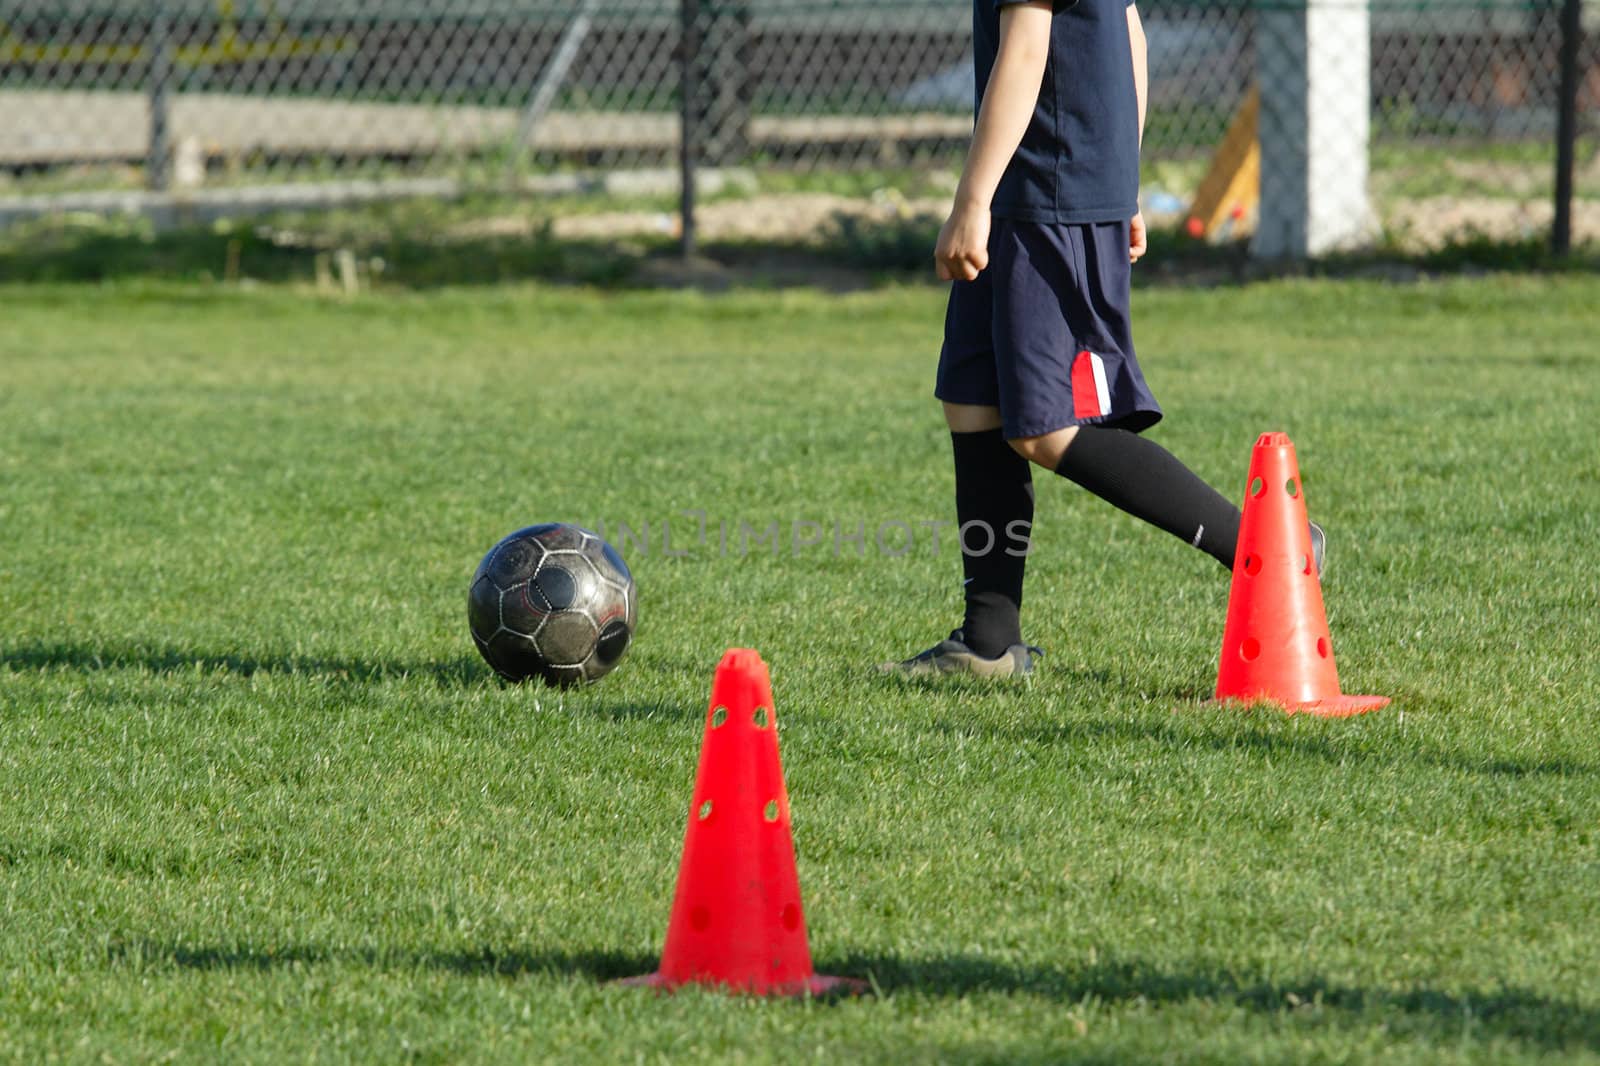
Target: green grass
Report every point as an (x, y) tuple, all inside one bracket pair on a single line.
[(263, 803)]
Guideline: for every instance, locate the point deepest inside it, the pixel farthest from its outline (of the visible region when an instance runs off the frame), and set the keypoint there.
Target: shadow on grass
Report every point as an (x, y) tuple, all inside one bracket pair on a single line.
[(1518, 1014), (988, 689), (1265, 732), (416, 252), (456, 673), (646, 710), (1539, 1020), (1113, 681), (424, 245), (463, 672), (598, 966), (405, 253)]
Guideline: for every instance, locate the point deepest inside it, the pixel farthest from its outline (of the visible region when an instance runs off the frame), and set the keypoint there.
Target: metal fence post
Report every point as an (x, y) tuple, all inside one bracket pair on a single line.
[(689, 134), (1566, 126), (158, 158)]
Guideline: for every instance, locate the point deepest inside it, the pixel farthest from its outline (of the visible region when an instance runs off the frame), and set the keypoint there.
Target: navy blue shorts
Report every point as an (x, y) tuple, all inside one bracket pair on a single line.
[(1044, 332)]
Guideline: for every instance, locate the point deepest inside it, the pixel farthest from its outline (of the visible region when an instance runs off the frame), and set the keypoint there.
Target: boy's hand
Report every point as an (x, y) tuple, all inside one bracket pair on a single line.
[(963, 249), (1138, 239)]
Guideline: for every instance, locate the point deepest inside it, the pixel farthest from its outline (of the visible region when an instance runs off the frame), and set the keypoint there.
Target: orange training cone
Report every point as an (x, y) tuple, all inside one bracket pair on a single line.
[(736, 917), (1275, 646)]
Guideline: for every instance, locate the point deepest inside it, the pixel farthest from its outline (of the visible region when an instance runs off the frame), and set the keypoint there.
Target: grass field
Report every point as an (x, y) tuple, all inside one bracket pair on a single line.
[(263, 802)]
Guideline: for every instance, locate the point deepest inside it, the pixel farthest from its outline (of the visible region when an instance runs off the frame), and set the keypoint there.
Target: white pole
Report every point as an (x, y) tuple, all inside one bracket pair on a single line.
[(1314, 61)]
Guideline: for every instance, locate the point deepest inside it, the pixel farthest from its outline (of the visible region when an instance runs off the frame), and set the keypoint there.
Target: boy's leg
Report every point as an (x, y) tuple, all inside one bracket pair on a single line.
[(1142, 478), (994, 514), (1069, 366), (1148, 482), (994, 499)]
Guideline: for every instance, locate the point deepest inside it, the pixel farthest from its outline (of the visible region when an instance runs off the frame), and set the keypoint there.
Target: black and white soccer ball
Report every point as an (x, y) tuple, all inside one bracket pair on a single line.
[(553, 601)]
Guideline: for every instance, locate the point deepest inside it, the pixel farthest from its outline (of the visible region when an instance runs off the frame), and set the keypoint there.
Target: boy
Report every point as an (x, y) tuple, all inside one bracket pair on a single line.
[(1038, 363)]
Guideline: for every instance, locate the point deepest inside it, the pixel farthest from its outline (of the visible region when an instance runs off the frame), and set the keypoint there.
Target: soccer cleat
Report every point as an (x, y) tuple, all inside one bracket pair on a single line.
[(1319, 545), (952, 656)]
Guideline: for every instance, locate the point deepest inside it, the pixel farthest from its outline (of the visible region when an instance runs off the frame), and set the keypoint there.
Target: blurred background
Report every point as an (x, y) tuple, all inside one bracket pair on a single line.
[(1398, 124)]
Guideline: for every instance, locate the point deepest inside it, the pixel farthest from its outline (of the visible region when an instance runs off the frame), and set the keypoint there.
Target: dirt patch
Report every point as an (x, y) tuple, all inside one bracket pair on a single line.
[(793, 218), (1422, 225)]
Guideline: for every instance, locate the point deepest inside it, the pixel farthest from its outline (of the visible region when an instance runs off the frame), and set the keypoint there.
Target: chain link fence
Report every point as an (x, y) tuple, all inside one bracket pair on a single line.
[(1444, 112)]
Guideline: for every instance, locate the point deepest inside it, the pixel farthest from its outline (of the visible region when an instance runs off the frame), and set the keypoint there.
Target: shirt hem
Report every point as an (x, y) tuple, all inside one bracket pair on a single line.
[(1074, 216)]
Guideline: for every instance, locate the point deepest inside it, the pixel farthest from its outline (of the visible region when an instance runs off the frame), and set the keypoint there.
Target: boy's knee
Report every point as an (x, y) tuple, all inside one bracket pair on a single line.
[(1045, 449), (1030, 448)]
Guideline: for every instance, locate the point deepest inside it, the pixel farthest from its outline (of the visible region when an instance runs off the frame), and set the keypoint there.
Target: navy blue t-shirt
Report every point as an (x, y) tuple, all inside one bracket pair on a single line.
[(1079, 159)]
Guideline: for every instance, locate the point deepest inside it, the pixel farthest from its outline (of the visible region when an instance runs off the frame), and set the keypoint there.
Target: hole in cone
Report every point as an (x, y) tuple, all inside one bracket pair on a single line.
[(770, 811), (791, 916), (1252, 564), (705, 811), (719, 716), (1249, 649), (1323, 648), (1257, 486), (1292, 487), (700, 919), (761, 718)]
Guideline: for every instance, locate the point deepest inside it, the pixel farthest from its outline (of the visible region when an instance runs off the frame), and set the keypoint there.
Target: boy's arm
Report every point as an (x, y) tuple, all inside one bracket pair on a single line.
[(1008, 105), (1138, 239)]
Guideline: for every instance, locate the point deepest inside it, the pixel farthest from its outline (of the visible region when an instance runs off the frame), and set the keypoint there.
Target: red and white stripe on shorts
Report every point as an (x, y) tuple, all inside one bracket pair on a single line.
[(1091, 397)]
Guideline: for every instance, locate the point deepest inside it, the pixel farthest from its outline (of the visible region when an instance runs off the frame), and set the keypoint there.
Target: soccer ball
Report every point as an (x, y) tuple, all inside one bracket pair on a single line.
[(552, 601)]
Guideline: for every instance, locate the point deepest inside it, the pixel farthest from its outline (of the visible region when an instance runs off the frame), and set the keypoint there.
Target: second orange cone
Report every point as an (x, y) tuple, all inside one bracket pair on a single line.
[(1276, 647), (736, 918)]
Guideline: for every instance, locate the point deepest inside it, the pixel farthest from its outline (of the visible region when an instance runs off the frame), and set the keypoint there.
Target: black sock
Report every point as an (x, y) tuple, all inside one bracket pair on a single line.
[(994, 509), (1147, 481)]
